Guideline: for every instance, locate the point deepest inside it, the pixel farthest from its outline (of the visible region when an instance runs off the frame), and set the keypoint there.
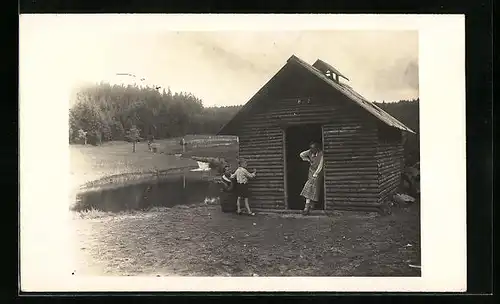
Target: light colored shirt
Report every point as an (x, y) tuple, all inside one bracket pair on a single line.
[(242, 175), (313, 160)]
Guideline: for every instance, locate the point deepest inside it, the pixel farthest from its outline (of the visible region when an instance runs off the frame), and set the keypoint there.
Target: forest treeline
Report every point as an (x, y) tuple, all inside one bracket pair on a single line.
[(106, 112)]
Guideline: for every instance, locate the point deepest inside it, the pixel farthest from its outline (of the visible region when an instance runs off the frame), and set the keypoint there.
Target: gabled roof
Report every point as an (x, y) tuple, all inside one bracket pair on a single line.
[(343, 88)]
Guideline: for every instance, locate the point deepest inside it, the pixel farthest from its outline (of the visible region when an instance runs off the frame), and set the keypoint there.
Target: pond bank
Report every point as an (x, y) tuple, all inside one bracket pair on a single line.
[(140, 191)]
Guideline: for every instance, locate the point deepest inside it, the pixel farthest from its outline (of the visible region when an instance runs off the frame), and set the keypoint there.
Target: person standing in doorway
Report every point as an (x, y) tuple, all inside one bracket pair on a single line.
[(312, 188)]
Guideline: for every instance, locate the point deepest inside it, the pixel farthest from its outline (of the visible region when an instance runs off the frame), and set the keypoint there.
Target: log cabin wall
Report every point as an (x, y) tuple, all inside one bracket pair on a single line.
[(262, 144), (351, 174), (350, 143), (390, 160)]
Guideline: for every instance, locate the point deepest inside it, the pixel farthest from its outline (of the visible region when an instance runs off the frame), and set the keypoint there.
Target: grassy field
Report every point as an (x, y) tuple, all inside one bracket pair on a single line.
[(200, 240)]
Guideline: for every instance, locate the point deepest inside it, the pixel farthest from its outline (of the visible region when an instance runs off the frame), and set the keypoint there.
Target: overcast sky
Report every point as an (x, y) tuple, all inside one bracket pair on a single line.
[(227, 68)]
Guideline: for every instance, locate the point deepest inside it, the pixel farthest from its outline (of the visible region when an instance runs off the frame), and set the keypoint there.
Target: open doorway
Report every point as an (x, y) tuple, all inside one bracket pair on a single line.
[(297, 139)]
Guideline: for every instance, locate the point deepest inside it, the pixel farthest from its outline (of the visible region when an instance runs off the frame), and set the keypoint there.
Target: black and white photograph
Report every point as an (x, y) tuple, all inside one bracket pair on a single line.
[(230, 153)]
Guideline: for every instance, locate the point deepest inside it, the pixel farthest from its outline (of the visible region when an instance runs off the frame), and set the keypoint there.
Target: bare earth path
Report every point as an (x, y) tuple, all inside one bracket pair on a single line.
[(202, 241)]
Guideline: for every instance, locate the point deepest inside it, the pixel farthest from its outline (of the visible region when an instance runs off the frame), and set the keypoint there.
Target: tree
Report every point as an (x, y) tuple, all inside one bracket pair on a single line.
[(106, 133), (133, 135), (70, 139), (117, 130), (85, 115)]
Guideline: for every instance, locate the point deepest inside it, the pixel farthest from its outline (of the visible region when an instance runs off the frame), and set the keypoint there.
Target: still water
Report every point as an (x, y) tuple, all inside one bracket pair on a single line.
[(167, 192)]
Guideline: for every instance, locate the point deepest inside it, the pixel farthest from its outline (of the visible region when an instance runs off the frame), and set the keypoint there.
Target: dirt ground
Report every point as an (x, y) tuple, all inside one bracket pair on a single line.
[(202, 241)]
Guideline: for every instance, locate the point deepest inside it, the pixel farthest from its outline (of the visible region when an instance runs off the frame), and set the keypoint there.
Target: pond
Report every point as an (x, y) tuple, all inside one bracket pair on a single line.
[(160, 192)]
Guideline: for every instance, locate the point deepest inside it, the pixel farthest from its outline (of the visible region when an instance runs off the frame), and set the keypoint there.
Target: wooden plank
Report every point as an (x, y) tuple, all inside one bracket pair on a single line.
[(263, 144), (369, 182), (276, 175), (267, 191), (389, 177), (390, 184), (353, 169), (389, 188), (260, 131), (350, 187), (350, 143), (269, 150), (336, 191), (260, 140), (356, 195), (361, 177), (270, 171), (267, 197), (300, 111), (274, 185), (354, 208), (260, 167), (355, 200), (343, 161), (261, 157)]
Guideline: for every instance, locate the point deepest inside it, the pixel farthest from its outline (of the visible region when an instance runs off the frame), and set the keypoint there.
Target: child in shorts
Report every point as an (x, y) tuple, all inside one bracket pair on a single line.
[(242, 177)]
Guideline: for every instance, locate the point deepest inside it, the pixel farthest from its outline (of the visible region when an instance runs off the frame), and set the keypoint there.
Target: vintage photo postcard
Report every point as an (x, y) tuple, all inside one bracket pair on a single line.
[(242, 153)]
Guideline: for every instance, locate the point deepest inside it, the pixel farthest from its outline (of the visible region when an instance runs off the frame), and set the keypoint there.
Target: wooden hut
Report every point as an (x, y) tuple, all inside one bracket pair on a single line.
[(362, 144)]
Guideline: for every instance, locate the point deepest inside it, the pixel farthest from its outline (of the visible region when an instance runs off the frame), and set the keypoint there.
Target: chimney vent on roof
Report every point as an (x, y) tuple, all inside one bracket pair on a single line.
[(331, 75), (329, 71)]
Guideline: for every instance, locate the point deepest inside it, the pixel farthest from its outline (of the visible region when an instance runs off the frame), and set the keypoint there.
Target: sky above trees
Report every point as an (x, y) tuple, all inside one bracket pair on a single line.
[(227, 68)]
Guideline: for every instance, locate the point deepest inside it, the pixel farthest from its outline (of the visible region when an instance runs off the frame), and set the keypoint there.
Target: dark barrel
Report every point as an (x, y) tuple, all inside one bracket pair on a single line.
[(227, 196)]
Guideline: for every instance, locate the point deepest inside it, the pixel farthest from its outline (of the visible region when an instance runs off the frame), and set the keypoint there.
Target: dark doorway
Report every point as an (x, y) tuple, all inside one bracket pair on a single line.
[(297, 139)]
